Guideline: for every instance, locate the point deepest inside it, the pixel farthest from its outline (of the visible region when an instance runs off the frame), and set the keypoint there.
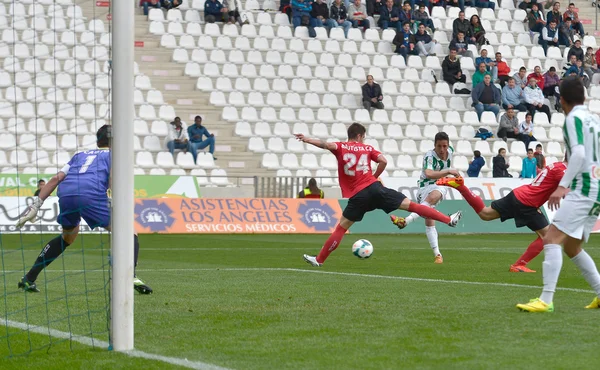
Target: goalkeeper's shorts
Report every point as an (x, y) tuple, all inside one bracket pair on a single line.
[(95, 212)]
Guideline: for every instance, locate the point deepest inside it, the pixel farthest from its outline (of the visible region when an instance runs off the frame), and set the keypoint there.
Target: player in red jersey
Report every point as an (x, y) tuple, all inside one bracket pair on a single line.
[(360, 185), (522, 204)]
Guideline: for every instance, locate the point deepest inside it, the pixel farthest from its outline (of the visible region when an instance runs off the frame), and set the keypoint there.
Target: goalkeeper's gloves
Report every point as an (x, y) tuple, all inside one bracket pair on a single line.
[(31, 212)]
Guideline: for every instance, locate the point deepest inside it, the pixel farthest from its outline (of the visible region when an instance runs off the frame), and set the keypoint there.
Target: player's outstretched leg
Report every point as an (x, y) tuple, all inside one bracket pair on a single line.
[(536, 247), (51, 251), (330, 245), (425, 212), (138, 284), (458, 183)]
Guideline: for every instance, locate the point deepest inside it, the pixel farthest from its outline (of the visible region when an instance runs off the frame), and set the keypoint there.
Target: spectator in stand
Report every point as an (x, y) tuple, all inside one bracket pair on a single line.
[(490, 65), (486, 97), (512, 96), (170, 4), (529, 167), (461, 44), (527, 4), (500, 167), (375, 7), (213, 11), (538, 76), (521, 78), (424, 43), (40, 185), (566, 34), (421, 17), (574, 17), (598, 57), (286, 8), (485, 4), (147, 4), (357, 13), (551, 82), (405, 41), (196, 133), (461, 24), (539, 157), (589, 63), (502, 70), (577, 51), (567, 66), (300, 9), (476, 164), (535, 18), (480, 74), (581, 73), (389, 16), (406, 14), (526, 130), (451, 71), (508, 128), (459, 3), (177, 137), (371, 94), (555, 14), (320, 13), (534, 98), (338, 17), (549, 37), (477, 31), (231, 12)]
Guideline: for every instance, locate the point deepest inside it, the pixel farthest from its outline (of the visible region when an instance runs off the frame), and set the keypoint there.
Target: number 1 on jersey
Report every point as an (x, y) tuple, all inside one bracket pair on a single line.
[(361, 166), (88, 162)]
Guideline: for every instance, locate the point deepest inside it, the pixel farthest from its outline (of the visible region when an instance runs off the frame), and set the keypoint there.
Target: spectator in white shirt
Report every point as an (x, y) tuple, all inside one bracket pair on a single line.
[(526, 131), (177, 137), (534, 98)]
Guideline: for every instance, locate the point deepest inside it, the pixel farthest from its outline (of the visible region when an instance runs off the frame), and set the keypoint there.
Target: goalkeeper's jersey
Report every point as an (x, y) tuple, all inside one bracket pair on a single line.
[(581, 127), (431, 161), (87, 175)]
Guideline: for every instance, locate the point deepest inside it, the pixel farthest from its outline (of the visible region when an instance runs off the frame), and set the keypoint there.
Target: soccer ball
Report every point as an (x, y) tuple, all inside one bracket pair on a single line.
[(362, 248)]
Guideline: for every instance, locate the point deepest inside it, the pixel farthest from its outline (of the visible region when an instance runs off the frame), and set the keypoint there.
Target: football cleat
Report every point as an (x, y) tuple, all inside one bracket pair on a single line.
[(536, 305), (454, 218), (398, 221), (438, 259), (141, 287), (312, 260), (28, 286), (453, 182), (595, 303), (520, 268)]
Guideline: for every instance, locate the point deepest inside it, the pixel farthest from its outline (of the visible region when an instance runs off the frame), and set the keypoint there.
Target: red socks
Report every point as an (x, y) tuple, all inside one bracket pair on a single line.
[(473, 200), (535, 248), (428, 212), (332, 243)]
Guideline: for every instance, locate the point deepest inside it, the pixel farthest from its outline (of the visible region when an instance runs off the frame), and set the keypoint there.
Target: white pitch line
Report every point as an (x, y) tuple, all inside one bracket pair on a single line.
[(89, 341), (352, 274)]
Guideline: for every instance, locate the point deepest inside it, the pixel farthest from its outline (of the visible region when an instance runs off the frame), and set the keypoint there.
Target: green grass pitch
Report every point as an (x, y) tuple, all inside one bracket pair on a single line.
[(250, 302)]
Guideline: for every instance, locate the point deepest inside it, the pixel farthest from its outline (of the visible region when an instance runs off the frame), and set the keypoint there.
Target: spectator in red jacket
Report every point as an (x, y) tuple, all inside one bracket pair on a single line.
[(598, 57), (574, 17), (503, 69), (538, 76)]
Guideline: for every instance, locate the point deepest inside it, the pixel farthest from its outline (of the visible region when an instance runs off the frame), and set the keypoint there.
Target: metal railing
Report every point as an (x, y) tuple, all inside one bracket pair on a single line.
[(286, 187)]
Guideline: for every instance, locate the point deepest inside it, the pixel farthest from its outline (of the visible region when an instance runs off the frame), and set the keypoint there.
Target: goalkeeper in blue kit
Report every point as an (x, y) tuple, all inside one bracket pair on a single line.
[(83, 186)]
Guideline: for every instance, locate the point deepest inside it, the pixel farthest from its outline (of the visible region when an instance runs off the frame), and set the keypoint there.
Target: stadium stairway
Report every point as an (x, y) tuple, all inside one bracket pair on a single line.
[(180, 92)]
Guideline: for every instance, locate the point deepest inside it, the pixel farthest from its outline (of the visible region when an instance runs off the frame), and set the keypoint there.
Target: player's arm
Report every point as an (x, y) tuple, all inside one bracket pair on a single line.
[(430, 173), (316, 142), (51, 185), (381, 164)]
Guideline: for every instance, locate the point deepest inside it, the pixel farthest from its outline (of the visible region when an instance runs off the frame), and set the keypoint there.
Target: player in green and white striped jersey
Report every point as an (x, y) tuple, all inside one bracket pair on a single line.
[(580, 208), (437, 163)]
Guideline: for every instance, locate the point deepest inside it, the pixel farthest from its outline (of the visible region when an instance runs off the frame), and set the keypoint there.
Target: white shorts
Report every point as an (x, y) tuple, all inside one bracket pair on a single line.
[(426, 190), (575, 216)]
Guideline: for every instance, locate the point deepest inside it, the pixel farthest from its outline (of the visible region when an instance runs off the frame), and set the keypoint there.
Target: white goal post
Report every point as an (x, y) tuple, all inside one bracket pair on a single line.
[(121, 310)]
